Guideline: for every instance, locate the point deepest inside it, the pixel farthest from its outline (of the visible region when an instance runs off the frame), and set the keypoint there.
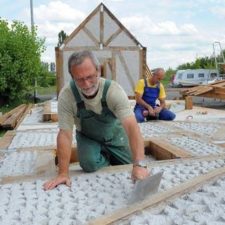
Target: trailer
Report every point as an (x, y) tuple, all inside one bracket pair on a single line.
[(194, 77)]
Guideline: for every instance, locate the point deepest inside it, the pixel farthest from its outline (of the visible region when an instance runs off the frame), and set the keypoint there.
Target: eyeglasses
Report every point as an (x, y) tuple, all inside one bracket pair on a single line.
[(89, 78)]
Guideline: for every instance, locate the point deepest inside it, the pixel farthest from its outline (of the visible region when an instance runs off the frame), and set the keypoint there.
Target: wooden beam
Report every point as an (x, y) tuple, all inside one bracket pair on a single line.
[(113, 65), (7, 115), (163, 150), (112, 37), (6, 140), (11, 122), (48, 115), (109, 48), (59, 70), (188, 102), (213, 95), (91, 36), (101, 25), (219, 90), (28, 110)]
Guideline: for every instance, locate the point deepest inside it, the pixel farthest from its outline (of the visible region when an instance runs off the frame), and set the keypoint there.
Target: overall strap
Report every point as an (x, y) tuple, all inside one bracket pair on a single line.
[(158, 85), (80, 103), (146, 83), (106, 87)]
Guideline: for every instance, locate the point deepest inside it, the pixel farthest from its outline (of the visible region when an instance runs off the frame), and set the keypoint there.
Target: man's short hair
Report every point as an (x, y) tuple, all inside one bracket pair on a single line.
[(156, 71), (77, 58)]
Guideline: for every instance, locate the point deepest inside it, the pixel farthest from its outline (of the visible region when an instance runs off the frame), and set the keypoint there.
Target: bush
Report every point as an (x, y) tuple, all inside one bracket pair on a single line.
[(20, 53)]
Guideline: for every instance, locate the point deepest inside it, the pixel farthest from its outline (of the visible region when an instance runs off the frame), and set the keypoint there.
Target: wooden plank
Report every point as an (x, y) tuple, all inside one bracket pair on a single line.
[(91, 36), (220, 82), (11, 122), (188, 102), (219, 90), (160, 197), (213, 95), (6, 140), (162, 150), (112, 37), (101, 25), (59, 70), (109, 48), (190, 90), (48, 115), (202, 90), (113, 65), (28, 110), (10, 113)]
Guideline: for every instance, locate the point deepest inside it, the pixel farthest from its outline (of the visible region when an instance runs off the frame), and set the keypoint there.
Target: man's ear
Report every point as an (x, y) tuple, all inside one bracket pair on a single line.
[(99, 71)]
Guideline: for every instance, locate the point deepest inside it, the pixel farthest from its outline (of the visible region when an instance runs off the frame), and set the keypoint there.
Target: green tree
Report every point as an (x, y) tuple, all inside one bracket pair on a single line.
[(20, 53), (168, 77), (199, 63), (61, 37)]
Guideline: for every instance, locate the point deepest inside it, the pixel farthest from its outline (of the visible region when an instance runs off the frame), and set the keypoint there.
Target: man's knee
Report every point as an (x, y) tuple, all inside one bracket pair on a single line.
[(172, 116), (89, 165), (166, 114)]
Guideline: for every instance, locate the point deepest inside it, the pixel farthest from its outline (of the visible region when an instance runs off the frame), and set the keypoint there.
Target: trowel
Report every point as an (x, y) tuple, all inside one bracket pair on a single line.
[(145, 188)]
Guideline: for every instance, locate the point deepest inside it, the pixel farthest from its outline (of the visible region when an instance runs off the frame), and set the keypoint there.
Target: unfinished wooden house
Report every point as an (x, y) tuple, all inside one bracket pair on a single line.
[(121, 56)]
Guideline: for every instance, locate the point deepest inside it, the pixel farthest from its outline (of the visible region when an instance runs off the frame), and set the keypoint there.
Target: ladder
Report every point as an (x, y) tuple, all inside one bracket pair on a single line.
[(219, 57)]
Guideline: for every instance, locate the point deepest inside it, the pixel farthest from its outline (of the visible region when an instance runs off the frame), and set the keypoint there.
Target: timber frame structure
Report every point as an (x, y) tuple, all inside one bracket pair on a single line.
[(121, 56)]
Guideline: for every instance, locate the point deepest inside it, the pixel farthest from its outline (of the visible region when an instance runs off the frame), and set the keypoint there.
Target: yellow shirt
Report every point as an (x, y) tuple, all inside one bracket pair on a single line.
[(140, 88)]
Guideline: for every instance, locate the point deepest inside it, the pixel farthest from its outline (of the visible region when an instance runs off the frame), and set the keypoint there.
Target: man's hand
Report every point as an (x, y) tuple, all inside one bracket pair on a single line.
[(157, 109), (139, 173), (60, 179), (151, 111)]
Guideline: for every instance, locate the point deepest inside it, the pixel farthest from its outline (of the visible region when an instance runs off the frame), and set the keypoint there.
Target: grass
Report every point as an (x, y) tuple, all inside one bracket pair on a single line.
[(46, 90), (2, 133)]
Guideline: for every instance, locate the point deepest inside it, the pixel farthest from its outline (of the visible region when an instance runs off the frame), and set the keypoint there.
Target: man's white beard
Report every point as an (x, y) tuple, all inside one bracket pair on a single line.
[(92, 90)]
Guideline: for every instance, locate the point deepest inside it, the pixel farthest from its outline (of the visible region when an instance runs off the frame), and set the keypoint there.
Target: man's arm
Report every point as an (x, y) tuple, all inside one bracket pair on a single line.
[(162, 106), (64, 143), (137, 145)]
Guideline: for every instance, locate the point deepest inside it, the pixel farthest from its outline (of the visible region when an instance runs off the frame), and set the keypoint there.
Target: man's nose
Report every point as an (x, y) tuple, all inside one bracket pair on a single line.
[(86, 82)]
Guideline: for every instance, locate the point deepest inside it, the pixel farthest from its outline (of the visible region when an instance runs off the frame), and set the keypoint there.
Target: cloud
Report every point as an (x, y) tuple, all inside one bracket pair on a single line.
[(146, 25), (57, 11), (50, 19), (219, 11)]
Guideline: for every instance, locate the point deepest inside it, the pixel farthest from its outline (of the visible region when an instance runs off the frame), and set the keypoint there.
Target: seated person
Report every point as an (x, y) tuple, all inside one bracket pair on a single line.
[(147, 91)]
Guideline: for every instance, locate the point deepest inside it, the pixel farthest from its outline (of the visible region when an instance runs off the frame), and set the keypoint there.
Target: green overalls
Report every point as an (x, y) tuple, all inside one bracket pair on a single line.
[(102, 140)]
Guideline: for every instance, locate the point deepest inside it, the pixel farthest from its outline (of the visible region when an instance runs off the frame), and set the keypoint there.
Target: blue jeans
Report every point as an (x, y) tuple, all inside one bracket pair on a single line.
[(164, 114)]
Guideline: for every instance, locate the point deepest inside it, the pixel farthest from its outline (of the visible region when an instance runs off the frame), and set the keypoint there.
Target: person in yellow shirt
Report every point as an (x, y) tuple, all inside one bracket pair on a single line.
[(147, 91)]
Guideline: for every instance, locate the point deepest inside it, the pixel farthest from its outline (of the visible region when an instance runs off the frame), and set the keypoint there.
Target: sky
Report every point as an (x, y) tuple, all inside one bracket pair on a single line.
[(174, 31)]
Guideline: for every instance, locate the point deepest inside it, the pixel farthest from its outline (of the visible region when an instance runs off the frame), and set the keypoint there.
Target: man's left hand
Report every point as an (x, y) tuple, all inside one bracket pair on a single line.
[(157, 109)]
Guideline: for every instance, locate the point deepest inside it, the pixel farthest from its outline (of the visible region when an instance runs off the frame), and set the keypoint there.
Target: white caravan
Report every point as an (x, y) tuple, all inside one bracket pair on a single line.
[(185, 78)]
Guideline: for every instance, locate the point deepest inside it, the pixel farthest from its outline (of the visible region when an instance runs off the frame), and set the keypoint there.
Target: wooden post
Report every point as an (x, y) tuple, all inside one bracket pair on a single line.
[(188, 102), (59, 70)]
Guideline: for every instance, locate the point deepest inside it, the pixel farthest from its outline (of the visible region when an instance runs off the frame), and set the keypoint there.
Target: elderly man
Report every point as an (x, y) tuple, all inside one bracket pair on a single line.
[(104, 123), (147, 91)]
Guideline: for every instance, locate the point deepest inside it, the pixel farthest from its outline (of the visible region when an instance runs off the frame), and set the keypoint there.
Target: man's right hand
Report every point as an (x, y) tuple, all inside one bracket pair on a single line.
[(60, 179), (151, 111)]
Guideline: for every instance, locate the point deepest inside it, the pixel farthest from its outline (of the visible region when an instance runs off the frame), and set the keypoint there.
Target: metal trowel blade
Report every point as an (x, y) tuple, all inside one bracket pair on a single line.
[(145, 188)]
